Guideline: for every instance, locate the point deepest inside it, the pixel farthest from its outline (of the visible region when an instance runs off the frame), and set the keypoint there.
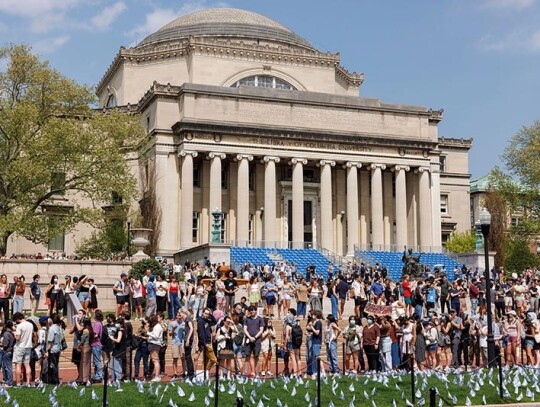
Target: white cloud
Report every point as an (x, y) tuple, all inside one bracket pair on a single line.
[(49, 45), (34, 8), (108, 15), (523, 40), (159, 16), (508, 4)]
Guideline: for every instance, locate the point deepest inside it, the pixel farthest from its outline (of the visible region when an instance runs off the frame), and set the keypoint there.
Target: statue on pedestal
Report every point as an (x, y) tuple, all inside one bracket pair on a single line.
[(411, 264)]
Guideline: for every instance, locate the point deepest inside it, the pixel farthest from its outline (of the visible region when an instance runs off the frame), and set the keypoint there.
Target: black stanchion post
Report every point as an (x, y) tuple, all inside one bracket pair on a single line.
[(216, 391), (277, 360), (318, 382), (105, 381), (204, 362), (499, 362), (411, 361), (432, 397), (344, 356)]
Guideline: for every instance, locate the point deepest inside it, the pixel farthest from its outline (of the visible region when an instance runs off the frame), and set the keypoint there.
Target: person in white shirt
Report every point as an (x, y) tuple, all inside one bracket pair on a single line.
[(23, 347), (137, 296)]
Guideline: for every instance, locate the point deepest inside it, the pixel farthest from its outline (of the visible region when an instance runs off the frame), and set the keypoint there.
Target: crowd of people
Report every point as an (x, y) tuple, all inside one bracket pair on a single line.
[(363, 321)]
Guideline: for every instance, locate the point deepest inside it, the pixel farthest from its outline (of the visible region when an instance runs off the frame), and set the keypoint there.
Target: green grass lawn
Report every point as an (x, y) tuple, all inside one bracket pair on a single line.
[(520, 385)]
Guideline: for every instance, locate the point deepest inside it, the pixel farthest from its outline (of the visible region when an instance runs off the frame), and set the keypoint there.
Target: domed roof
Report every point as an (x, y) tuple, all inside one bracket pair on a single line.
[(225, 22)]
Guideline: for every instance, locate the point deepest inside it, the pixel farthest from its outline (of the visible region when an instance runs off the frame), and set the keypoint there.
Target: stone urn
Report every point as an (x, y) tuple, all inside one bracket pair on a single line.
[(141, 239)]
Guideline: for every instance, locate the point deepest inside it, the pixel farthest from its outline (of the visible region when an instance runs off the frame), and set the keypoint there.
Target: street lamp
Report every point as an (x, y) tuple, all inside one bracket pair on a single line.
[(128, 238), (485, 221)]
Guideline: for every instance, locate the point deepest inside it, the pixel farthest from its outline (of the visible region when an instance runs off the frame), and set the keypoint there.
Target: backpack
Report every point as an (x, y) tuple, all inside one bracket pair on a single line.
[(239, 338), (296, 335)]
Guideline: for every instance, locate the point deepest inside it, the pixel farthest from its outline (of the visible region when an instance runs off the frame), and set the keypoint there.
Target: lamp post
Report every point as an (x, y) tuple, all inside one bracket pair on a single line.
[(128, 250), (485, 222)]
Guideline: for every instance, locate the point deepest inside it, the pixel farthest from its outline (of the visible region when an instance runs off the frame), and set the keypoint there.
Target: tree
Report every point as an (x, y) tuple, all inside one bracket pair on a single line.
[(60, 160), (519, 255), (462, 242)]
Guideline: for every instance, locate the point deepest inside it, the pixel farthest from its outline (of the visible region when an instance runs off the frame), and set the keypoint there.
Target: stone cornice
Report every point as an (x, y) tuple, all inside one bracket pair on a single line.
[(459, 143), (351, 78)]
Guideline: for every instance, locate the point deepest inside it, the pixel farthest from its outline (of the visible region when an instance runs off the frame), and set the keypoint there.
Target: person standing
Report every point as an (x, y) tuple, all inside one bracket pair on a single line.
[(316, 339), (121, 291), (4, 297), (253, 329), (8, 344), (176, 331), (93, 302), (18, 299), (175, 294), (136, 288), (128, 344), (35, 294), (54, 348), (85, 347), (142, 350), (331, 333), (231, 287), (371, 340), (162, 294), (151, 302), (301, 299), (188, 342), (205, 337), (97, 346), (23, 346)]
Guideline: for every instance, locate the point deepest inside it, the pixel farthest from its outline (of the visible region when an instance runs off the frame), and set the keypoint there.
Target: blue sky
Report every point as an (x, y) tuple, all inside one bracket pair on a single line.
[(479, 60)]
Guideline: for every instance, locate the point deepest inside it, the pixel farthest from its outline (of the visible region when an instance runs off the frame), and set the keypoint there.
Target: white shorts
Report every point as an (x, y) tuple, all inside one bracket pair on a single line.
[(21, 355)]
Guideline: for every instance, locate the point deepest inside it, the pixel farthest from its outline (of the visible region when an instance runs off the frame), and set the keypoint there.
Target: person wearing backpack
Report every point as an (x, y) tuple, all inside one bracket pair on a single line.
[(292, 335)]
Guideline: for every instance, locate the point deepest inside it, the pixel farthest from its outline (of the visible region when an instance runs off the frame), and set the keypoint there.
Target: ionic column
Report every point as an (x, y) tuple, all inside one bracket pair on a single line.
[(377, 205), (298, 200), (270, 213), (186, 207), (327, 229), (242, 202), (214, 199), (424, 209), (436, 205), (388, 208), (401, 205), (364, 208), (352, 205)]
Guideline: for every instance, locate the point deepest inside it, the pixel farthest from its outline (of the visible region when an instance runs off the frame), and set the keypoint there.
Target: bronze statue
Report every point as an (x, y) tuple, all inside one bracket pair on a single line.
[(411, 264)]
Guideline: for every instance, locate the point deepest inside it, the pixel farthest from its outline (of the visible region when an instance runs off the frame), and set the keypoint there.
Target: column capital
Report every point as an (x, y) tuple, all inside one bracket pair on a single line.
[(268, 158), (399, 167), (374, 166), (323, 163), (240, 157), (422, 169), (297, 160), (183, 153), (350, 164), (217, 155)]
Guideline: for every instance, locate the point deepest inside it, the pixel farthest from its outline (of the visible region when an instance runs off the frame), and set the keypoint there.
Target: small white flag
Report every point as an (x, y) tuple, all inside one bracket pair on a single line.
[(191, 397)]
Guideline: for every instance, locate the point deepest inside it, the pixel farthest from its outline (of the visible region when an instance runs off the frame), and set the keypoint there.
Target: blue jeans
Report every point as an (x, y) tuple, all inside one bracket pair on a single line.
[(301, 308), (474, 306), (116, 368), (98, 365), (142, 353), (334, 302), (18, 304), (309, 356), (396, 358), (331, 357), (174, 305), (7, 367), (315, 352)]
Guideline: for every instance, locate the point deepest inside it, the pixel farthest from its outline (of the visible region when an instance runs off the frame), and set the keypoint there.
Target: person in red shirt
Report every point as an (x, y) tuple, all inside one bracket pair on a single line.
[(407, 294)]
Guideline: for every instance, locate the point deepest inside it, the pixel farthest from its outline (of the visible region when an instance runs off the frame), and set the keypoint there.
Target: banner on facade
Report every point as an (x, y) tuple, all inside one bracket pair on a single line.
[(378, 310)]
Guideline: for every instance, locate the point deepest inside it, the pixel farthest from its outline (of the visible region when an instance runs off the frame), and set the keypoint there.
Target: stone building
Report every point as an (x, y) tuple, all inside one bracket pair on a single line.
[(247, 117)]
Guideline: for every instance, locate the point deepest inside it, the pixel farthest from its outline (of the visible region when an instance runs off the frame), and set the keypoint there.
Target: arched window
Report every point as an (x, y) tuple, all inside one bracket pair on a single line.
[(111, 101), (264, 81)]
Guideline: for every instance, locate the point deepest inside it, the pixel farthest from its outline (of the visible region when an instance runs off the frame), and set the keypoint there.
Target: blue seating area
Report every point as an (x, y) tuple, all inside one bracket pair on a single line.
[(392, 261), (301, 257), (253, 255), (306, 257)]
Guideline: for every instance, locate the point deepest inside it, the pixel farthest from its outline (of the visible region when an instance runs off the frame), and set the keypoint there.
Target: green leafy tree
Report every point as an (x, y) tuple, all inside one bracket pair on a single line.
[(462, 242), (60, 160), (519, 255), (138, 270)]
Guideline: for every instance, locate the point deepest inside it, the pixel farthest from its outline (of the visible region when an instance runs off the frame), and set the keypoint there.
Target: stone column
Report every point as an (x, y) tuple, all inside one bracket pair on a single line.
[(242, 210), (364, 209), (327, 229), (377, 205), (401, 205), (186, 208), (214, 199), (352, 205), (298, 201), (270, 213), (436, 204), (388, 208), (424, 209)]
